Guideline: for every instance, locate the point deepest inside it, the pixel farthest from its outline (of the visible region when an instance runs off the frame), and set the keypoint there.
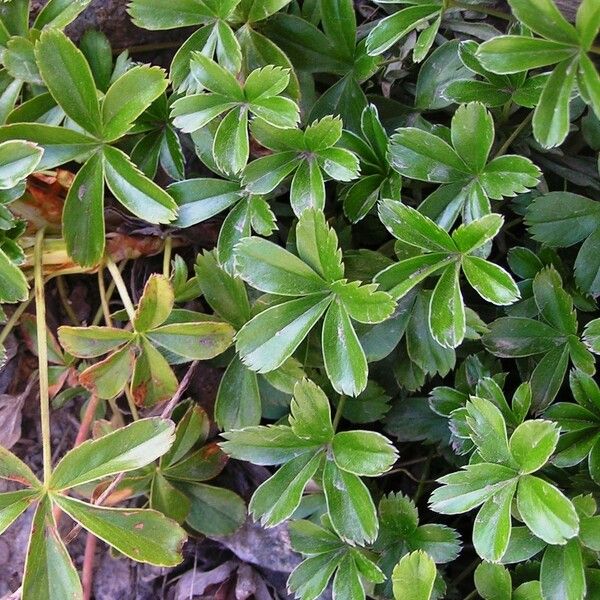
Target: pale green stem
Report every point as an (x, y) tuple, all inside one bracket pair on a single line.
[(121, 287), (42, 348), (167, 256)]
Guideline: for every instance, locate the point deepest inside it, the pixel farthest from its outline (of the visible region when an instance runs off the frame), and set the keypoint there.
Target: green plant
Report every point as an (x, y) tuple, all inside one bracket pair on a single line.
[(379, 222)]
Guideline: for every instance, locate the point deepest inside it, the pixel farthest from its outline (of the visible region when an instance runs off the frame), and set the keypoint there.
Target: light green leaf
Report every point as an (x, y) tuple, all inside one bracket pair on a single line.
[(349, 504), (308, 188), (89, 342), (143, 535), (493, 582), (472, 121), (155, 305), (414, 577), (310, 413), (195, 341), (345, 360), (546, 511), (272, 269), (412, 227), (271, 337), (424, 156), (490, 281), (49, 571), (128, 97), (364, 303), (532, 443), (365, 453), (231, 146), (14, 469), (12, 505), (513, 53), (135, 191), (447, 319), (543, 17), (391, 29), (551, 116), (491, 530), (13, 285), (276, 499), (83, 213), (562, 574), (69, 79), (238, 402), (18, 159), (125, 449), (317, 245)]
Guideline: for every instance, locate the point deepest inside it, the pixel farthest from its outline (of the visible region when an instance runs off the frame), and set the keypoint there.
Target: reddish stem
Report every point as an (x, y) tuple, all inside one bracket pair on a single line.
[(87, 574)]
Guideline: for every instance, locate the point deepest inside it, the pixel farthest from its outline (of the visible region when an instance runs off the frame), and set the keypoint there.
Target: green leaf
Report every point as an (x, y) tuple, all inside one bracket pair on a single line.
[(49, 571), (238, 402), (214, 510), (271, 337), (490, 281), (465, 490), (308, 187), (513, 53), (491, 530), (272, 269), (391, 29), (272, 445), (472, 120), (192, 428), (83, 213), (18, 159), (493, 582), (155, 305), (473, 235), (125, 449), (488, 431), (60, 145), (447, 319), (276, 499), (153, 379), (365, 453), (543, 17), (562, 573), (345, 360), (191, 113), (108, 378), (588, 80), (231, 145), (167, 499), (317, 245), (143, 535), (215, 78), (532, 443), (128, 97), (195, 341), (225, 294), (203, 198), (89, 342), (364, 303), (587, 22), (551, 116), (135, 191), (310, 413), (59, 13), (339, 22), (349, 504), (13, 285), (414, 577), (411, 227), (515, 337), (424, 156), (398, 279), (553, 303), (509, 175), (69, 79), (12, 505), (310, 578), (546, 511), (263, 175), (154, 14)]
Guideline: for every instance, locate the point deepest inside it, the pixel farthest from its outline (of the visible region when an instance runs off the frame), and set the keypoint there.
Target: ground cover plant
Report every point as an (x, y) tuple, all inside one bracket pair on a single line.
[(328, 269)]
